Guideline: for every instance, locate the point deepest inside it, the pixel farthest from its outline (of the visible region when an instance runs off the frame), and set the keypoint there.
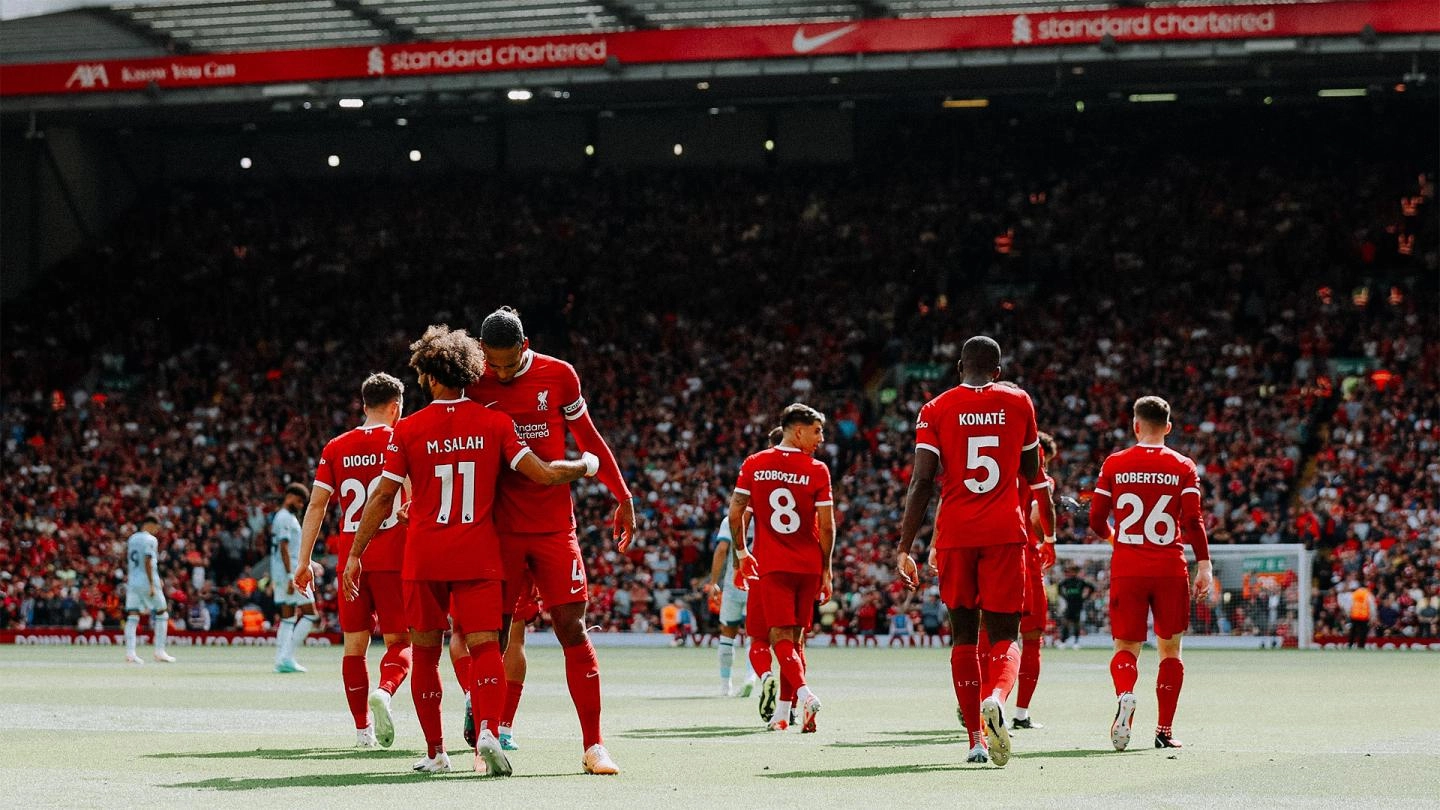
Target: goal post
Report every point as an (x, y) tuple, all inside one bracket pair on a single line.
[(1262, 596)]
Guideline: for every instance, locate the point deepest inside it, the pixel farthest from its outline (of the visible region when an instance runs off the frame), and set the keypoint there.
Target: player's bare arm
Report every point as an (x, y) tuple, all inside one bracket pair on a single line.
[(917, 503), (746, 569), (825, 516), (151, 566), (377, 508), (554, 473), (285, 561), (302, 577), (717, 566)]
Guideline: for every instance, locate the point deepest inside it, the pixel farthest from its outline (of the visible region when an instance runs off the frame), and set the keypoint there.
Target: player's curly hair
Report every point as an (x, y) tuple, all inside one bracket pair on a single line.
[(450, 357)]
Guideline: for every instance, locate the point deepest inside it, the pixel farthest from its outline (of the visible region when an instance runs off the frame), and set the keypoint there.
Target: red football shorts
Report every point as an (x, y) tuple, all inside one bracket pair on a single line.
[(552, 562), (1036, 616), (788, 598), (1133, 598), (474, 604), (991, 578), (755, 625), (381, 596)]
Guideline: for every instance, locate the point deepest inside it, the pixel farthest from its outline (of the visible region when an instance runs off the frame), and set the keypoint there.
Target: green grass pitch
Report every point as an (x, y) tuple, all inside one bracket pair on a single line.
[(1262, 729)]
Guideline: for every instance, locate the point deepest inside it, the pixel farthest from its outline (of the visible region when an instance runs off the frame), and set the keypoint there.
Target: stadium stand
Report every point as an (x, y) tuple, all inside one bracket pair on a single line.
[(1262, 290)]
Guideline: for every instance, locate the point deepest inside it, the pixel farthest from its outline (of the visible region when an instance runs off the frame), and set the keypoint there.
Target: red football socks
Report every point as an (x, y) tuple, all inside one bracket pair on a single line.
[(792, 670), (1029, 672), (1004, 666), (965, 673), (426, 692), (462, 671), (395, 666), (1123, 671), (1167, 690), (356, 675), (582, 673), (487, 686), (987, 684), (760, 657), (512, 702)]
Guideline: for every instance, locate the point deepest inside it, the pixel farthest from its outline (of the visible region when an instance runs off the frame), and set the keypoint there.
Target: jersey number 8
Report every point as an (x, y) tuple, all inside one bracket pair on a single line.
[(783, 517)]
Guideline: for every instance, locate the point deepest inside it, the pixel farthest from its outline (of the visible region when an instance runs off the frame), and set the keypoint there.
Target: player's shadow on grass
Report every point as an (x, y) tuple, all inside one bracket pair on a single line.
[(689, 732), (289, 754), (305, 781), (849, 773), (906, 739), (1072, 753)]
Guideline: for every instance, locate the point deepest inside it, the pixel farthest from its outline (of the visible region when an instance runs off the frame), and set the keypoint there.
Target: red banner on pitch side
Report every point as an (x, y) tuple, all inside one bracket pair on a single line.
[(731, 43), (64, 637)]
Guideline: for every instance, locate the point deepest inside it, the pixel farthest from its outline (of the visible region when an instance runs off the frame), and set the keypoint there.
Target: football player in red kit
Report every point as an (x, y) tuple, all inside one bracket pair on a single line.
[(537, 523), (350, 467), (1154, 493), (1039, 557), (984, 437), (453, 450), (794, 522)]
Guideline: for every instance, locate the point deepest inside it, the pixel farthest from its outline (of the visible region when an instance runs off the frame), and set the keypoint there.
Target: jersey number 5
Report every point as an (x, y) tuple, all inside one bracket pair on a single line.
[(975, 460), (1159, 526)]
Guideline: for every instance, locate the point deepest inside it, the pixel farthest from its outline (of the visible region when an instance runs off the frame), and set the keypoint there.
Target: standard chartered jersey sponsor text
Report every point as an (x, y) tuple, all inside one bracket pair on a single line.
[(539, 54)]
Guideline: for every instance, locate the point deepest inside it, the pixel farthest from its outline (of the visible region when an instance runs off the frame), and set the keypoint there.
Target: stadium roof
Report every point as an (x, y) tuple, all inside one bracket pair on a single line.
[(78, 30)]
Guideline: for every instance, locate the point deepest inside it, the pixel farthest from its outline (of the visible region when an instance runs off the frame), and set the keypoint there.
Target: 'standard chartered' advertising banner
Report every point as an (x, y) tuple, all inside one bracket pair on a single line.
[(727, 43)]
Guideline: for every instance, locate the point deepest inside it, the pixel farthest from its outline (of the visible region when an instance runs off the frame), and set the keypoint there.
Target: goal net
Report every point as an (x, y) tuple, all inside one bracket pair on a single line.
[(1261, 598)]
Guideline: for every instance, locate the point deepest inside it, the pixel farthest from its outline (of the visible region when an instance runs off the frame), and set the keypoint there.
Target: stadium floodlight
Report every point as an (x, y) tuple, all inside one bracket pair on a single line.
[(702, 85), (589, 150), (965, 103), (679, 150), (769, 145), (352, 103), (400, 122), (519, 94), (1079, 106), (1342, 92), (415, 156), (245, 163), (1148, 98), (333, 160)]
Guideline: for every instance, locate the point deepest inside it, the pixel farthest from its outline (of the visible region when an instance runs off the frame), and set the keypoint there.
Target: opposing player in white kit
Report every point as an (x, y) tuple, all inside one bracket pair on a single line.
[(732, 610), (144, 591), (285, 533)]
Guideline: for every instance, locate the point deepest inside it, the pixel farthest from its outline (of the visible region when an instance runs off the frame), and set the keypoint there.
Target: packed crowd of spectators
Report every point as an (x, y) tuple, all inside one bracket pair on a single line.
[(196, 360)]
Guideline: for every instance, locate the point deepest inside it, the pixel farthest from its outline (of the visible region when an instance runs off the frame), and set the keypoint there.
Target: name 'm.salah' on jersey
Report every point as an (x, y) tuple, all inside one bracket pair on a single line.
[(542, 397), (453, 451), (978, 432), (350, 467), (785, 486), (1154, 492)]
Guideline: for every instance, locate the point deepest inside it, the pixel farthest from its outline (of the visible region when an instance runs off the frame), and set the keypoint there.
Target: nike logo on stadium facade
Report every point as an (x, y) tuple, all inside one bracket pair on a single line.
[(804, 44)]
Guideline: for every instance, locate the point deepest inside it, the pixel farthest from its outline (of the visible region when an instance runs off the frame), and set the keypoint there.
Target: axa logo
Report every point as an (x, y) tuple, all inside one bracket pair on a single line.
[(542, 401), (375, 62), (89, 77), (1020, 32)]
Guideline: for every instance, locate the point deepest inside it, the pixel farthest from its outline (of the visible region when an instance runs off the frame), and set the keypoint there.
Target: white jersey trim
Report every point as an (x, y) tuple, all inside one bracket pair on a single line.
[(824, 503), (324, 486), (1099, 491), (923, 446), (1190, 489), (742, 491), (1041, 485), (515, 462), (392, 476), (1031, 446)]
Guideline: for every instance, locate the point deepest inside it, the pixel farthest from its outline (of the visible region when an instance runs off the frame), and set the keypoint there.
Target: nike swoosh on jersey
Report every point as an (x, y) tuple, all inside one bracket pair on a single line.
[(804, 44), (577, 589)]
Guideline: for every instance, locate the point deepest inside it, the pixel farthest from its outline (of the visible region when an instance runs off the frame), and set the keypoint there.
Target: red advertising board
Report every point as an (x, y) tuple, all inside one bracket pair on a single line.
[(1191, 23), (63, 637)]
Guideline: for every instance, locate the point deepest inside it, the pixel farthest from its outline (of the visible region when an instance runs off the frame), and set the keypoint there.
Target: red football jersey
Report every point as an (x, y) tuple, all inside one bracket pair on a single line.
[(1152, 490), (453, 450), (978, 433), (785, 486), (542, 396), (1028, 496), (350, 467)]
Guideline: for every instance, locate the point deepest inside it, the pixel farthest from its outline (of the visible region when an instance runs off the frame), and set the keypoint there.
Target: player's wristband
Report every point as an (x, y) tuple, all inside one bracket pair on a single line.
[(592, 464), (1050, 538)]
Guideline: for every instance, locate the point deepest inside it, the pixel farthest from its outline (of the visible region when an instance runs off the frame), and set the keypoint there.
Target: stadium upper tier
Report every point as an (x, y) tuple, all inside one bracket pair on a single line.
[(203, 26)]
